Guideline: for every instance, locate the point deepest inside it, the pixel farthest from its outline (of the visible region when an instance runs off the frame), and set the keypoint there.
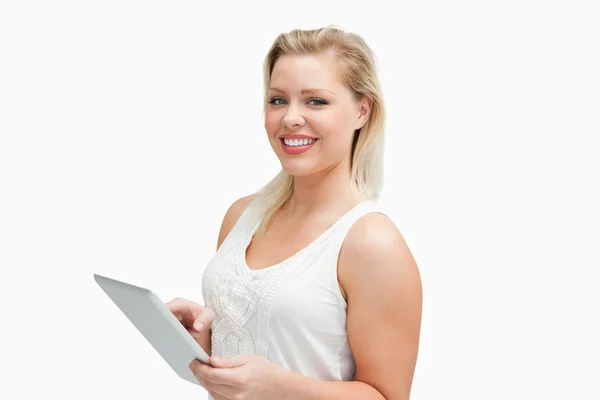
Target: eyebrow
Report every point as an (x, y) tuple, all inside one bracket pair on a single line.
[(311, 90)]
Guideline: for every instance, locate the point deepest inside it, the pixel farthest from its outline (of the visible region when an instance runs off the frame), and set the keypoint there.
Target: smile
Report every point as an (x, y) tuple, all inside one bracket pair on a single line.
[(297, 146), (298, 142)]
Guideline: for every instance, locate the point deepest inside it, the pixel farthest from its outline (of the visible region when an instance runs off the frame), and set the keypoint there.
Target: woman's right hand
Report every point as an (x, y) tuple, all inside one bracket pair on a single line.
[(195, 318)]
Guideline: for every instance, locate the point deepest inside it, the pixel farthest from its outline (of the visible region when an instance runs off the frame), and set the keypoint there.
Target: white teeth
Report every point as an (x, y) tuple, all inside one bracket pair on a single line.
[(298, 142)]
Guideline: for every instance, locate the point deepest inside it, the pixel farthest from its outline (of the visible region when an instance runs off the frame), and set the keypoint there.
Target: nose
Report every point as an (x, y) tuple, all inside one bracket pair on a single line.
[(292, 118)]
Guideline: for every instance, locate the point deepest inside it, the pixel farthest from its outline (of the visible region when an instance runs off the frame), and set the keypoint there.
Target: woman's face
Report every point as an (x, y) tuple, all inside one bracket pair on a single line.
[(311, 116)]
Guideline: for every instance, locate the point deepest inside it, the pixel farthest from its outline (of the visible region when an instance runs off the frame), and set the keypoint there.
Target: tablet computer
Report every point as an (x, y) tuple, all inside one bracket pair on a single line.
[(157, 324)]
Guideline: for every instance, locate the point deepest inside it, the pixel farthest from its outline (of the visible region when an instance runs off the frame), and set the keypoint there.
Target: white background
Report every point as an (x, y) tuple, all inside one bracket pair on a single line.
[(129, 127)]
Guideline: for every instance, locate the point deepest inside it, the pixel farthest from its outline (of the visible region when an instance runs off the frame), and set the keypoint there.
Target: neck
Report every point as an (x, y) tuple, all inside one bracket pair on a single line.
[(325, 191)]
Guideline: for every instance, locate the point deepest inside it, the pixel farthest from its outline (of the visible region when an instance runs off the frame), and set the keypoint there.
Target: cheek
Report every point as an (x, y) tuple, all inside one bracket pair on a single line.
[(333, 124), (272, 122)]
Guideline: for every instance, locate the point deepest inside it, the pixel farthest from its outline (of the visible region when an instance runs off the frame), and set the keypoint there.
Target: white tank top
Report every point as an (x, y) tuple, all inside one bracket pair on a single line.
[(293, 312)]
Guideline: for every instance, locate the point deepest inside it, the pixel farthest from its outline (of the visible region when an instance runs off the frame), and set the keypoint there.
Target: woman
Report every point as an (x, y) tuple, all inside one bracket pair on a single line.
[(313, 292)]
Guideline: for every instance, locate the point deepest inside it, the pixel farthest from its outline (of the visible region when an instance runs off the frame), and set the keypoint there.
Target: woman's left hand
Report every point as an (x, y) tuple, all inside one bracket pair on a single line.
[(245, 376)]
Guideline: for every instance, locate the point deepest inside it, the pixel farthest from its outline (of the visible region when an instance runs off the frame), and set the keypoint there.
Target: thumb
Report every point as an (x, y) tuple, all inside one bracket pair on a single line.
[(204, 319), (231, 362)]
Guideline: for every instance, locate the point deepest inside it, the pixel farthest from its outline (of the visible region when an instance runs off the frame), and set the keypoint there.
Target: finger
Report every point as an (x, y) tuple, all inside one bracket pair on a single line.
[(191, 315), (216, 391), (204, 319), (175, 307), (211, 376), (231, 362), (198, 336), (185, 310)]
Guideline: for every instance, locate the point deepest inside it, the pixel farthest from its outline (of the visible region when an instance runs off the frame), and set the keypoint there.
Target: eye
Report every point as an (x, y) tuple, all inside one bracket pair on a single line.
[(319, 102), (274, 101), (277, 101)]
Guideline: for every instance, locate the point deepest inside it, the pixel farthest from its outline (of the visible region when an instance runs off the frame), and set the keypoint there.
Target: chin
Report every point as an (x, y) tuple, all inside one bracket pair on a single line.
[(299, 168)]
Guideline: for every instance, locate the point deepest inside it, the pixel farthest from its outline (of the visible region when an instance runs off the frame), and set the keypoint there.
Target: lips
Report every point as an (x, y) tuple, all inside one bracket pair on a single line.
[(295, 150), (295, 136)]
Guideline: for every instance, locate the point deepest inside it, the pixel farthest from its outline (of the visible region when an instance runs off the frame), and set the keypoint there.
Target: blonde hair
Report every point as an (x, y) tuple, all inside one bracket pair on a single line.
[(358, 72)]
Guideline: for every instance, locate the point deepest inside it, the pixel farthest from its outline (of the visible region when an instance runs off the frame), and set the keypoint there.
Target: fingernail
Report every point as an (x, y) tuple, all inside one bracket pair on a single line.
[(199, 325)]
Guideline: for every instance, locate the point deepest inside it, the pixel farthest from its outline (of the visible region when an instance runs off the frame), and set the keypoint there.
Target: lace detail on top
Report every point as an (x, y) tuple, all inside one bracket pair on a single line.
[(242, 298)]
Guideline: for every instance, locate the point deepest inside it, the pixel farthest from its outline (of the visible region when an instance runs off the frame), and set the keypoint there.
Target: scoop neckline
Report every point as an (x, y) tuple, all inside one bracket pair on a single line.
[(305, 249)]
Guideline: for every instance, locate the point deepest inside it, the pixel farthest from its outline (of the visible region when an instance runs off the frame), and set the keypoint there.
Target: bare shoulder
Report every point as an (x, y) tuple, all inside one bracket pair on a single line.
[(231, 217), (375, 245), (383, 287)]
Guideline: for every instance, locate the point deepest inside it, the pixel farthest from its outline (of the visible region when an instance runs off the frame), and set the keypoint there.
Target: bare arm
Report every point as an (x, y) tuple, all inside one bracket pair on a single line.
[(381, 280), (231, 216), (381, 283)]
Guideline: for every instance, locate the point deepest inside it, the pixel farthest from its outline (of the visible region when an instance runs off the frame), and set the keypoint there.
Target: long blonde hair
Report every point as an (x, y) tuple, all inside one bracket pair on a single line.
[(359, 74)]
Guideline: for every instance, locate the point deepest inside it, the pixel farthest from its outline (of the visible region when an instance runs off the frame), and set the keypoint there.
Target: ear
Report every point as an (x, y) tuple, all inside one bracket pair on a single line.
[(364, 111)]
